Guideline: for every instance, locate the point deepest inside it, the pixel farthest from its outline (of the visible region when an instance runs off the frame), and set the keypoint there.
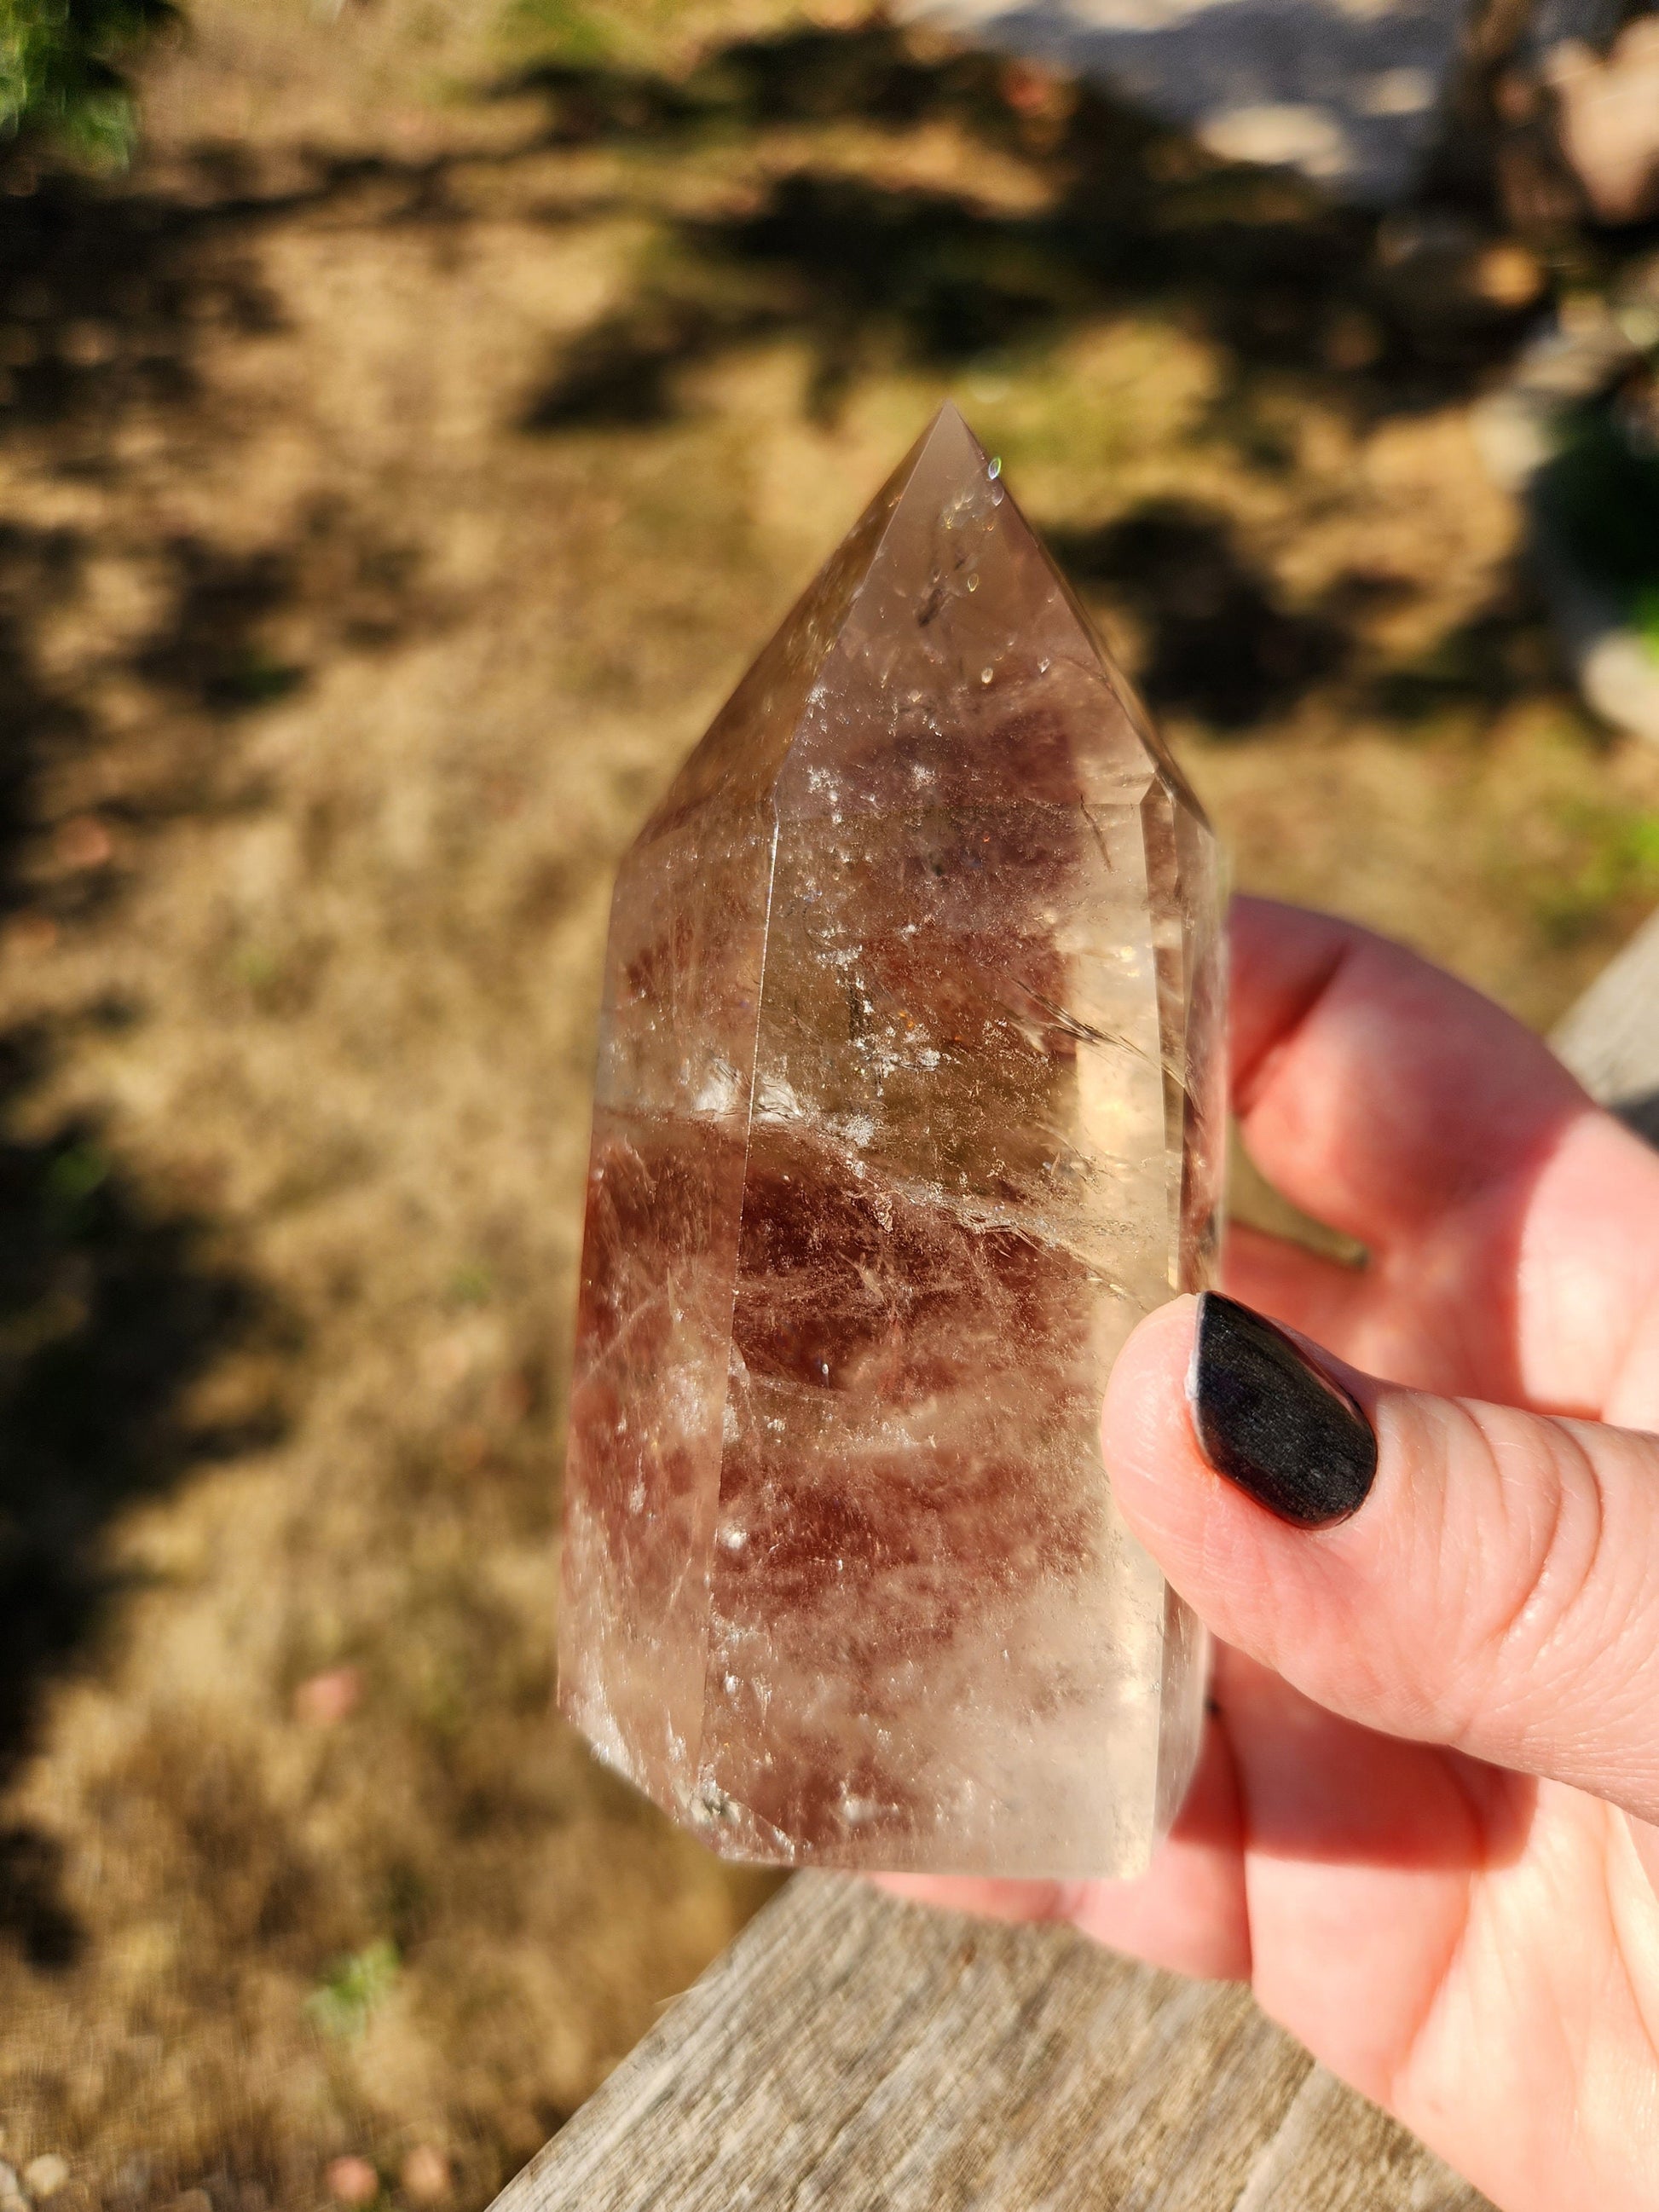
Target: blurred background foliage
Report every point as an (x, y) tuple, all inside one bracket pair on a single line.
[(65, 70), (402, 457)]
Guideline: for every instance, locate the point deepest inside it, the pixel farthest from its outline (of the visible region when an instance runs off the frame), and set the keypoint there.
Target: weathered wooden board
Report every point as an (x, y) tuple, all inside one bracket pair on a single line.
[(852, 2054), (850, 2051), (1611, 1038)]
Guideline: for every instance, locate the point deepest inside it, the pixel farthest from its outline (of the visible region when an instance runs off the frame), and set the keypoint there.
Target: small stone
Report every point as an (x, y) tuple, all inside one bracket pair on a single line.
[(11, 2201), (1608, 110), (8, 2179), (352, 2180), (46, 2174), (326, 1699), (84, 843), (426, 2176)]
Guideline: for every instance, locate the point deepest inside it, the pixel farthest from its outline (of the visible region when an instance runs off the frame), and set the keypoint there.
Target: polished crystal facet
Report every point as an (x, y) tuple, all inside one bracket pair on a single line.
[(909, 1107)]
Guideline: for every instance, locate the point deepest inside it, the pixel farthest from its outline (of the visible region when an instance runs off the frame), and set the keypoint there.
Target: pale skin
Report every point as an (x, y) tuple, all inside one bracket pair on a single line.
[(1422, 1824)]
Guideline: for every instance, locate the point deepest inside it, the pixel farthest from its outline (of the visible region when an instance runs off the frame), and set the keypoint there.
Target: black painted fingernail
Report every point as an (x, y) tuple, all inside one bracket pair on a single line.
[(1270, 1421)]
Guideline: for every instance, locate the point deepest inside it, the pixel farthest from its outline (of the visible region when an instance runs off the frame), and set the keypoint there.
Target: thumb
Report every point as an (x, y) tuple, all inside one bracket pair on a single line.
[(1453, 1572)]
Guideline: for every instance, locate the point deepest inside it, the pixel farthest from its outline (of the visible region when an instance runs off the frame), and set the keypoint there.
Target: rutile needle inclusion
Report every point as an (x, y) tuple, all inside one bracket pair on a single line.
[(909, 1106)]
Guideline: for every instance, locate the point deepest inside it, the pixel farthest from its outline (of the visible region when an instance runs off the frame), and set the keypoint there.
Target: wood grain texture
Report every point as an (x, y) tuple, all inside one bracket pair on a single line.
[(850, 2051), (1611, 1038)]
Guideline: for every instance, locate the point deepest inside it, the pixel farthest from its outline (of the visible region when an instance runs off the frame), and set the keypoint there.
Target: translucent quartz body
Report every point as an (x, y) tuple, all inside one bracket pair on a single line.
[(909, 1107)]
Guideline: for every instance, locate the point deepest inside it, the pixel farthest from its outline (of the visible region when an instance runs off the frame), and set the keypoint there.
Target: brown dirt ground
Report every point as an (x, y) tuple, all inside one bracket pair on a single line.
[(398, 466)]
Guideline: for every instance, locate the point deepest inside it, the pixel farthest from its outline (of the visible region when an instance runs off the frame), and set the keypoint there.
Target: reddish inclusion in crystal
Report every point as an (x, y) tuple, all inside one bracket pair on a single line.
[(908, 1110)]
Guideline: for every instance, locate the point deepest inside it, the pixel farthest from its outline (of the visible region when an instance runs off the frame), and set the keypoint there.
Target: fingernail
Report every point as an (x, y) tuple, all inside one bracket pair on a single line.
[(1269, 1420)]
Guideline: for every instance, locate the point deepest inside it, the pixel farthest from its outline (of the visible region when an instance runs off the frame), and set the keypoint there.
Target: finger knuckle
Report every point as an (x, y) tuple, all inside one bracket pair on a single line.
[(1548, 1599)]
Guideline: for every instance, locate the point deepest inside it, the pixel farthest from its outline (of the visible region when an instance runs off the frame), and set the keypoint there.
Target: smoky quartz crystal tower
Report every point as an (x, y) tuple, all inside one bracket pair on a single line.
[(910, 1105)]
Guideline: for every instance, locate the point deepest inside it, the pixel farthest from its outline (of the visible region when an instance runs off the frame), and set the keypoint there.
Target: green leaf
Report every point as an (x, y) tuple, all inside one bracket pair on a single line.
[(353, 1990)]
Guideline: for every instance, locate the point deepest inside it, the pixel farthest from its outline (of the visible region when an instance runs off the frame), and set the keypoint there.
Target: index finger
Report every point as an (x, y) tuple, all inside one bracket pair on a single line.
[(1497, 1202)]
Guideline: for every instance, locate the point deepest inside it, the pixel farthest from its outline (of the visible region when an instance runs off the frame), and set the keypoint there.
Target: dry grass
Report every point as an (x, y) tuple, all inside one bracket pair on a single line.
[(395, 477)]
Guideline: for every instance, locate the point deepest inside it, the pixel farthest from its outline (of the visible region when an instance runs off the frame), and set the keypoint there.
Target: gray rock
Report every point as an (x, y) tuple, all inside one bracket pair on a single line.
[(1349, 91), (46, 2174)]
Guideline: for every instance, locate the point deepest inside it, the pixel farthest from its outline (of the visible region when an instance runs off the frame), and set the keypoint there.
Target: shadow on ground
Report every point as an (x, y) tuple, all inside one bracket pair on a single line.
[(109, 293), (1220, 646), (110, 1305), (873, 273), (112, 1301)]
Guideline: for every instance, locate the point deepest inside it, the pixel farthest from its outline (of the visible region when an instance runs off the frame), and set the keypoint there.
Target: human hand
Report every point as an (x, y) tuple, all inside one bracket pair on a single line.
[(1420, 1826)]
